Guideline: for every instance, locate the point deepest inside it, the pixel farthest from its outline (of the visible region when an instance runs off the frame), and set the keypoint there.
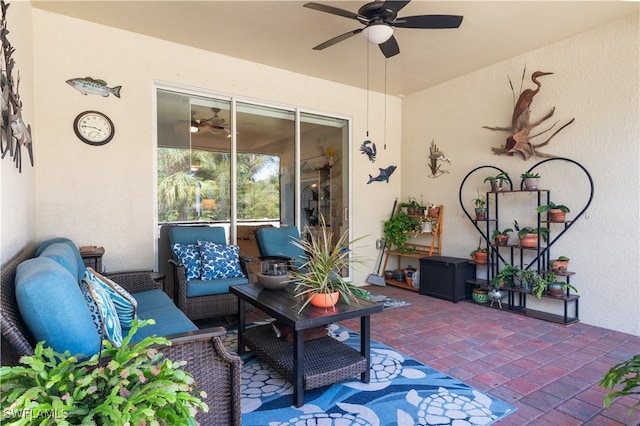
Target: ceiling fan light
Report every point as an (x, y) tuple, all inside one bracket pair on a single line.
[(193, 129), (377, 33)]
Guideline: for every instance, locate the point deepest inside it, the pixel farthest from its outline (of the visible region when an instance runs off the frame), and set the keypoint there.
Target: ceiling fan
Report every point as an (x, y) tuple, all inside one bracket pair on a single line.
[(379, 18), (215, 125)]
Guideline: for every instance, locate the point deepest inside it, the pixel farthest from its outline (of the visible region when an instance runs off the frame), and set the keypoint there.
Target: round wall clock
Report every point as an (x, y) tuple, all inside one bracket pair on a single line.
[(94, 128)]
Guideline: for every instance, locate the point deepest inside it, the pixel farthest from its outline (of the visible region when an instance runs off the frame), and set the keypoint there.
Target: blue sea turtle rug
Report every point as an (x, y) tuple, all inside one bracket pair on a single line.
[(402, 391)]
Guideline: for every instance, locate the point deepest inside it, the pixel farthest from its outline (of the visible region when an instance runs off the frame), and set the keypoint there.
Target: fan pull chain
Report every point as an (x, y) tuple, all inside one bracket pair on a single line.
[(385, 104), (368, 90)]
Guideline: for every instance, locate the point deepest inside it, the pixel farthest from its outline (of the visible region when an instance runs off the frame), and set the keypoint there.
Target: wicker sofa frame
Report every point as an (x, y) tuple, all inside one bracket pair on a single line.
[(216, 370)]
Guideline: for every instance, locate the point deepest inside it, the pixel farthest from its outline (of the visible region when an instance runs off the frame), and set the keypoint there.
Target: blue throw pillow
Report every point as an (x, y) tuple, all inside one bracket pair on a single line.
[(124, 302), (103, 313), (189, 256), (219, 261)]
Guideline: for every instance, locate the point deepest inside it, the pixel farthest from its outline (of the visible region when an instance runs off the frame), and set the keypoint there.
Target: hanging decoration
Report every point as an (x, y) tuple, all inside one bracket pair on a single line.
[(436, 155), (520, 139), (369, 149), (88, 85), (383, 176), (15, 133)]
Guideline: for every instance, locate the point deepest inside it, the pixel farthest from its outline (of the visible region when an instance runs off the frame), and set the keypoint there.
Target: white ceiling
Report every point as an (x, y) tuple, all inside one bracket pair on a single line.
[(283, 33)]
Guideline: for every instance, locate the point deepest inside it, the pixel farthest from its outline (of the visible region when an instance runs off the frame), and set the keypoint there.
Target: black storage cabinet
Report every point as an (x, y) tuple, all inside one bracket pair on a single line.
[(444, 277)]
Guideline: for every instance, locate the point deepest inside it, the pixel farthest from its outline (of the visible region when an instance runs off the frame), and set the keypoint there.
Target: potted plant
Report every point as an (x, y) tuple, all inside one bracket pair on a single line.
[(626, 374), (131, 384), (479, 255), (555, 212), (501, 238), (532, 281), (433, 210), (560, 264), (506, 275), (480, 207), (557, 288), (496, 181), (397, 231), (530, 180), (414, 207), (428, 224), (528, 236), (320, 279)]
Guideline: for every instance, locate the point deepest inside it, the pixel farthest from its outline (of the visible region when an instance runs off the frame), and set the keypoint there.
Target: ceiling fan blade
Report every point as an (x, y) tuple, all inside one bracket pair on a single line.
[(395, 5), (337, 39), (428, 21), (390, 47), (331, 9)]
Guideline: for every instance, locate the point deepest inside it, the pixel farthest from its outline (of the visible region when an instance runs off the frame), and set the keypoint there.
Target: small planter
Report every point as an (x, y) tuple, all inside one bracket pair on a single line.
[(480, 258), (496, 185), (479, 295), (388, 275), (556, 215), (555, 289), (481, 213), (531, 183), (324, 300), (529, 241), (433, 211), (559, 265), (501, 240)]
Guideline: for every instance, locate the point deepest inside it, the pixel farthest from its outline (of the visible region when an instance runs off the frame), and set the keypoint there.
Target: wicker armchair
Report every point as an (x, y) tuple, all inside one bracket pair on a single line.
[(216, 371)]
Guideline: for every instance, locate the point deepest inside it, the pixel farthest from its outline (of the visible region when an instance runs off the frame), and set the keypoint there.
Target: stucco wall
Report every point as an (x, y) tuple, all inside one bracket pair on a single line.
[(105, 195), (596, 81)]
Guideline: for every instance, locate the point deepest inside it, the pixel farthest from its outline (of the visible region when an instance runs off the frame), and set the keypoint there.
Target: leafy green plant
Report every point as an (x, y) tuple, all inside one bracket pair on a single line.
[(396, 231), (531, 278), (321, 273), (529, 175), (552, 206), (132, 384), (480, 202), (500, 177), (506, 275), (551, 279), (544, 232), (497, 232), (627, 374)]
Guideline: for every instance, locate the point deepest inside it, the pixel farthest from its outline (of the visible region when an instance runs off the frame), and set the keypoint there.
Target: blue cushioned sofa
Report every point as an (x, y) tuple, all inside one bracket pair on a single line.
[(41, 300)]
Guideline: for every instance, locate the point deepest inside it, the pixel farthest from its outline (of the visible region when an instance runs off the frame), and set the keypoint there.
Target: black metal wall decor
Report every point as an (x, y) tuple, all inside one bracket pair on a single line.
[(15, 133)]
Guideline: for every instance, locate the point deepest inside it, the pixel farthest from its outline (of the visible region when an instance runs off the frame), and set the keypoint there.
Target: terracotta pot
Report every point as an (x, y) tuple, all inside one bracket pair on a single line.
[(324, 300), (559, 265), (480, 258), (433, 212), (529, 240), (556, 215), (501, 240)]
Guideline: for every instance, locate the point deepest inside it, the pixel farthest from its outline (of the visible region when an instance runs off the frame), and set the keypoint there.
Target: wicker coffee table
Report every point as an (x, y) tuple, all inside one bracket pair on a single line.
[(306, 364)]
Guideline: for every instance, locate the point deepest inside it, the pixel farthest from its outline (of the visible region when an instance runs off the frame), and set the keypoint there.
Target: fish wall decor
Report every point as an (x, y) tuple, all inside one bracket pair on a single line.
[(383, 176), (90, 86), (15, 133)]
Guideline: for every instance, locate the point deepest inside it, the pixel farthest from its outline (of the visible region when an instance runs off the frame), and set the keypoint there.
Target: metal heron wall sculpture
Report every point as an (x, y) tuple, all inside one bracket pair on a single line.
[(519, 141)]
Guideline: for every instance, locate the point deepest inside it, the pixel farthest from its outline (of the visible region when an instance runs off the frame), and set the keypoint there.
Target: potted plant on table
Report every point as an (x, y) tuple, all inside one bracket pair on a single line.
[(501, 238), (496, 181), (322, 281), (530, 180), (555, 212), (397, 231), (132, 384)]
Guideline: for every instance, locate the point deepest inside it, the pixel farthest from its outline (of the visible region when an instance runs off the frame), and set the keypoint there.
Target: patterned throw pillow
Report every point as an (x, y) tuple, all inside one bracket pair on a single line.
[(103, 313), (219, 261), (189, 256), (124, 302)]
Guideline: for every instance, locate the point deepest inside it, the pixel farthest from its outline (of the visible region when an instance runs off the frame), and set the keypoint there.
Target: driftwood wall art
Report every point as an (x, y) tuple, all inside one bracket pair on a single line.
[(435, 155), (15, 134), (520, 139)]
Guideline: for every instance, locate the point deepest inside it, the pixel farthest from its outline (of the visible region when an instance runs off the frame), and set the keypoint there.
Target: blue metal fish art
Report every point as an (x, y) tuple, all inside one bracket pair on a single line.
[(370, 151), (383, 176)]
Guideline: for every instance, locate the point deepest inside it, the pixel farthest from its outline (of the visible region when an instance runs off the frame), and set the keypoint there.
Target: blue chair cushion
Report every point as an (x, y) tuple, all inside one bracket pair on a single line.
[(103, 313), (155, 304), (219, 261), (72, 245), (191, 234), (197, 288), (123, 301), (53, 308), (62, 253), (278, 242), (189, 256)]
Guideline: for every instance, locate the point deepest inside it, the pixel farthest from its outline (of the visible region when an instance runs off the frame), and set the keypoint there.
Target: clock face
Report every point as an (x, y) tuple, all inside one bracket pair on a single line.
[(93, 127)]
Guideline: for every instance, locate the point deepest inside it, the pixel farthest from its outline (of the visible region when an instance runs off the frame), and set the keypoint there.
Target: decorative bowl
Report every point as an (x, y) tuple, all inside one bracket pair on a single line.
[(273, 282)]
